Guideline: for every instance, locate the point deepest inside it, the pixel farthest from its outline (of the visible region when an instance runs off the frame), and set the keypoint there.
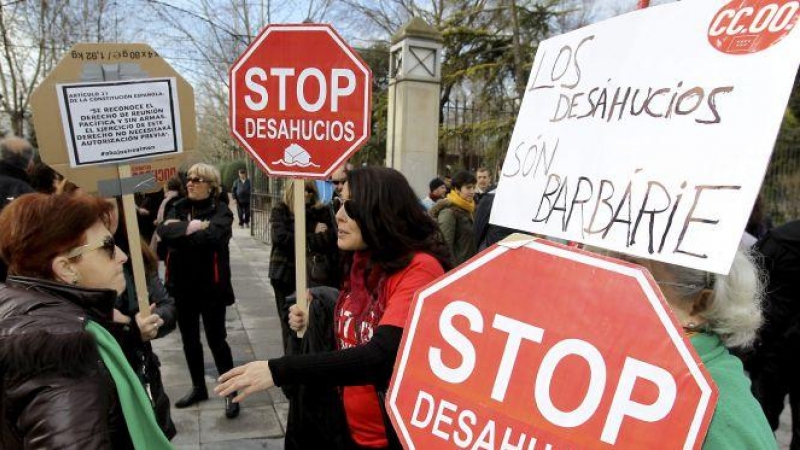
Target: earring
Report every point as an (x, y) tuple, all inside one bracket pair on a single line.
[(75, 280)]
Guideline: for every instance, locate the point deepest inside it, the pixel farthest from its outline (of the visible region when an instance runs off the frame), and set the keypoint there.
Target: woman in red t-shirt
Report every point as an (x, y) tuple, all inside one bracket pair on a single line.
[(393, 249)]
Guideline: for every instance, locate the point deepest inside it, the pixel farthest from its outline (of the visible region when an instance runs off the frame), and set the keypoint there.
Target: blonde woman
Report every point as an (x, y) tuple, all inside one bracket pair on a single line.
[(196, 231)]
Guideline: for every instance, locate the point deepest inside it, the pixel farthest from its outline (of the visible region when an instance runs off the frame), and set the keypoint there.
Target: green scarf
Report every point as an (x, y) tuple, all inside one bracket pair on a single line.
[(142, 427)]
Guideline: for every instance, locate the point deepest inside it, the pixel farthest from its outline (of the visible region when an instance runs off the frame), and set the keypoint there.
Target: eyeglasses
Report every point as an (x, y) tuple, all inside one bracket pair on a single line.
[(107, 244), (195, 180), (338, 182), (349, 207)]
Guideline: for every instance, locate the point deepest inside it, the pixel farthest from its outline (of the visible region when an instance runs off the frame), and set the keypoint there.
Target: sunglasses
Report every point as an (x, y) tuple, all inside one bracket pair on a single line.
[(195, 180), (349, 207), (107, 244), (338, 182)]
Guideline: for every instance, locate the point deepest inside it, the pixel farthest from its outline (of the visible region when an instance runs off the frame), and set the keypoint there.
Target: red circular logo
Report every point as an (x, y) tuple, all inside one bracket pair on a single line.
[(749, 26)]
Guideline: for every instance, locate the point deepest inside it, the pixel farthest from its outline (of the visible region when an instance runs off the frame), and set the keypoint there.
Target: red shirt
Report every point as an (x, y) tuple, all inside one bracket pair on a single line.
[(364, 416)]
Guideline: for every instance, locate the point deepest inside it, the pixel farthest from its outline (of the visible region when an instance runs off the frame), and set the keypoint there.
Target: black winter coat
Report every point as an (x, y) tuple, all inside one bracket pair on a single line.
[(140, 355), (779, 338), (282, 260), (198, 265), (55, 391)]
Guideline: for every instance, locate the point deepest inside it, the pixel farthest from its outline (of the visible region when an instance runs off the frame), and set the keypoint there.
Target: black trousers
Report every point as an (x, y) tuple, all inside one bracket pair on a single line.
[(243, 211), (190, 311)]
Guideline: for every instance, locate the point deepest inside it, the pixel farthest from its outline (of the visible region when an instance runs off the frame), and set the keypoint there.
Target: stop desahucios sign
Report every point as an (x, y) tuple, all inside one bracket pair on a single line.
[(300, 100), (545, 346)]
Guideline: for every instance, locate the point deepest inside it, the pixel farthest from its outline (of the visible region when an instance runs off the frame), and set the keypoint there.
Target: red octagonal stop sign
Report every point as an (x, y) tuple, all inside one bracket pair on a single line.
[(545, 346), (300, 100)]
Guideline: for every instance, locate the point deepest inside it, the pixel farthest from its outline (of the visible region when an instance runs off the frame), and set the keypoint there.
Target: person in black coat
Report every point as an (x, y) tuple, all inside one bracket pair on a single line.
[(131, 329), (320, 245), (773, 364), (197, 231)]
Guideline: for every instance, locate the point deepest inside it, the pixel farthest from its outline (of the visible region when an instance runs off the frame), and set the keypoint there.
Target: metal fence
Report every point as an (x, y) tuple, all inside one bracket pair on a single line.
[(471, 136), (267, 191)]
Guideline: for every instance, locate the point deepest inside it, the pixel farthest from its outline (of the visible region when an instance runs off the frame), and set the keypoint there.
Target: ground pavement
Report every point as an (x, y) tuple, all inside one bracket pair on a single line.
[(253, 333)]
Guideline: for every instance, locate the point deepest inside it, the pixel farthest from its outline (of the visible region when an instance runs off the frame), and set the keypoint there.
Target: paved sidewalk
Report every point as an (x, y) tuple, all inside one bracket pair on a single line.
[(253, 333)]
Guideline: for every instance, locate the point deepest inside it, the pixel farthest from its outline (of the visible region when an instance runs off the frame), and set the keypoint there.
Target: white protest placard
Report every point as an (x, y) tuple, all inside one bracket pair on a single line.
[(118, 121), (650, 133)]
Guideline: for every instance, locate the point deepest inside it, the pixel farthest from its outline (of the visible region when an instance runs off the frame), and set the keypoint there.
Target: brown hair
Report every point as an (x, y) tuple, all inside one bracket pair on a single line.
[(35, 228)]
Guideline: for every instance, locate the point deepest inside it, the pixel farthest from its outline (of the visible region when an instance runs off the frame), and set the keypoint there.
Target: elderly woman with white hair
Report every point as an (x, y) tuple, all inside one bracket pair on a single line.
[(718, 312), (196, 231)]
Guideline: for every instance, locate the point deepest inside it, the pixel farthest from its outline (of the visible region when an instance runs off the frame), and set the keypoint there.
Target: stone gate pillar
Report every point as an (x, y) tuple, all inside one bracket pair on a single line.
[(413, 120)]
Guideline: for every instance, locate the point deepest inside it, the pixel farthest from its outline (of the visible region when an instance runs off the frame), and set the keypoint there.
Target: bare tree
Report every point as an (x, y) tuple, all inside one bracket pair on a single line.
[(33, 37)]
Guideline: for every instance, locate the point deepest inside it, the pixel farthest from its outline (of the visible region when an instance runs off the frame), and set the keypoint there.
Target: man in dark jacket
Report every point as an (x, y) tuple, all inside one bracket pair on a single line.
[(773, 366), (241, 193), (16, 160), (487, 234)]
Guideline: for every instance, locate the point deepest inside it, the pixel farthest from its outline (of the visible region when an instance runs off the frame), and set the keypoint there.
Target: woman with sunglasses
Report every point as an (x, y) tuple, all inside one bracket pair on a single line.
[(64, 380), (392, 249), (719, 312), (320, 243), (196, 232)]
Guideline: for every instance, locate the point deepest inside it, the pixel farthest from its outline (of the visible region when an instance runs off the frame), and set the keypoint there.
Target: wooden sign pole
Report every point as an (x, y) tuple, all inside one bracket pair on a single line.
[(300, 248), (134, 245)]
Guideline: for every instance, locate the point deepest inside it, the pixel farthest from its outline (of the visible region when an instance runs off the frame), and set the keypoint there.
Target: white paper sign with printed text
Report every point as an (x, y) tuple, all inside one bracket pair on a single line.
[(650, 133), (118, 121)]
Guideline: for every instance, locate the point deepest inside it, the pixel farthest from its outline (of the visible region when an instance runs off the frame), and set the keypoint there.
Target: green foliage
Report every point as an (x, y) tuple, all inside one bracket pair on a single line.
[(230, 171), (374, 151)]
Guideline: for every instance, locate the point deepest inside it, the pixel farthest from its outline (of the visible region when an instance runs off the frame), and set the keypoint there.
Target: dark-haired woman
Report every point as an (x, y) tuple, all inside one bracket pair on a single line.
[(455, 215), (65, 380), (393, 248)]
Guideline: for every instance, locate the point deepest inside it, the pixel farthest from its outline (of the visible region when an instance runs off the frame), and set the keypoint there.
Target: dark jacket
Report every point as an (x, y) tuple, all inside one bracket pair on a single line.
[(55, 391), (140, 355), (13, 183), (241, 190), (316, 416), (198, 265), (282, 260), (779, 338), (456, 224), (487, 234)]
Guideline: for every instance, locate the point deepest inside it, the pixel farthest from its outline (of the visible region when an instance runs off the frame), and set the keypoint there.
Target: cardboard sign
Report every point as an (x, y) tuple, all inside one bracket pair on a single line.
[(120, 121), (579, 352), (300, 100), (97, 63), (650, 133)]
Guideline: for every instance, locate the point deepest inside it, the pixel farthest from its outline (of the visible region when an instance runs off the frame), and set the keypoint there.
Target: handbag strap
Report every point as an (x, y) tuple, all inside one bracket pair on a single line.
[(391, 436)]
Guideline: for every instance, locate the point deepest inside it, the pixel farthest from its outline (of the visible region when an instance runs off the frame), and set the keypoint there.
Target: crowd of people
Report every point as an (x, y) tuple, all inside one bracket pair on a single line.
[(70, 295)]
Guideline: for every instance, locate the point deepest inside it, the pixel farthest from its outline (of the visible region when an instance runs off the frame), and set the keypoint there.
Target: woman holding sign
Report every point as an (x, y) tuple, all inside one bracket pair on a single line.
[(717, 312), (392, 249), (65, 381)]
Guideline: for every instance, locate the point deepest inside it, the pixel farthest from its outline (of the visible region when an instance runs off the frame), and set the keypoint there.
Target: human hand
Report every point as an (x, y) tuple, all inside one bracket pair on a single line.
[(196, 225), (247, 379), (149, 324), (120, 318), (320, 228), (170, 221), (297, 318)]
